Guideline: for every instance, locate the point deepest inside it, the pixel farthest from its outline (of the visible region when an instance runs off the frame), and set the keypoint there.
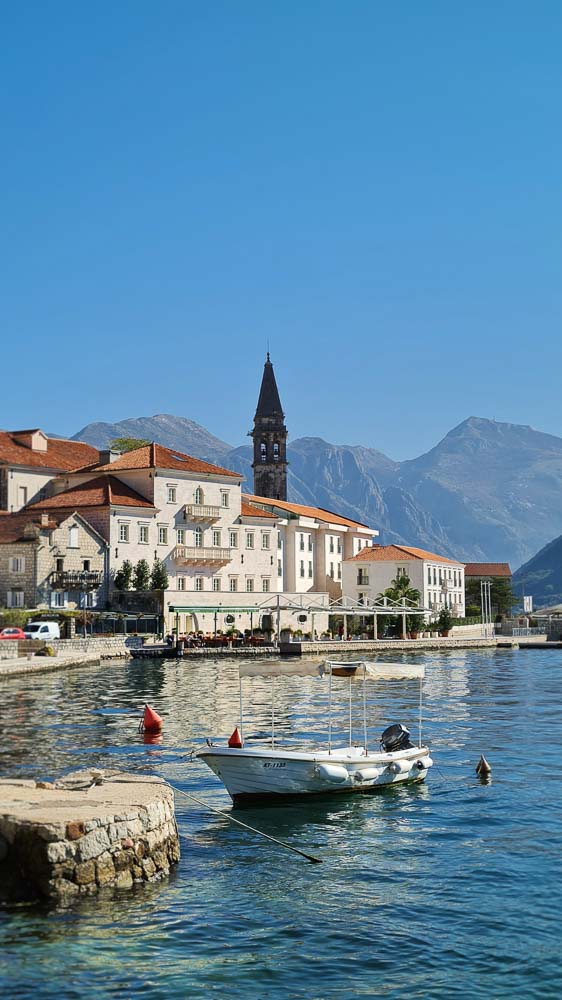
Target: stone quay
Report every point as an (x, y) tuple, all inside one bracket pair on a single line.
[(87, 831)]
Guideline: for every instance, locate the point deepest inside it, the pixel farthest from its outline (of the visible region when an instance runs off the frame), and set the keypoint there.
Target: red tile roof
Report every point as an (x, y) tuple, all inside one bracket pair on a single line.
[(61, 454), (392, 553), (12, 525), (487, 569), (249, 510), (104, 491), (156, 456), (318, 513)]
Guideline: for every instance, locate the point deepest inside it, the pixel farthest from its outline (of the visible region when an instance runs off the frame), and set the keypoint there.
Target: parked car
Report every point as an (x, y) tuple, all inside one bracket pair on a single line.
[(12, 633), (42, 630)]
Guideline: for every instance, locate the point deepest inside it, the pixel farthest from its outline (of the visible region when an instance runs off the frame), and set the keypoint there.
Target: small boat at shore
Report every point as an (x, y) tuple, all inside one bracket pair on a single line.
[(257, 773)]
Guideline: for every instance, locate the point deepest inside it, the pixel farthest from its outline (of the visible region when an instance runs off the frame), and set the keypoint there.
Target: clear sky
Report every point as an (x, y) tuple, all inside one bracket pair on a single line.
[(372, 189)]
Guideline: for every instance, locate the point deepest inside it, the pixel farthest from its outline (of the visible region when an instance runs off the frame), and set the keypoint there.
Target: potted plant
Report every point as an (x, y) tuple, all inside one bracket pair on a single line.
[(445, 621), (416, 625)]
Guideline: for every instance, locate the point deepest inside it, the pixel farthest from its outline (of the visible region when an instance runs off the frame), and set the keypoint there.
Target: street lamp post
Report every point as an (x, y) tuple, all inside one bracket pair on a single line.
[(486, 606)]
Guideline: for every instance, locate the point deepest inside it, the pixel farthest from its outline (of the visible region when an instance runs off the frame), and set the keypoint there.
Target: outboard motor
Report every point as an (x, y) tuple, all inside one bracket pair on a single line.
[(395, 738)]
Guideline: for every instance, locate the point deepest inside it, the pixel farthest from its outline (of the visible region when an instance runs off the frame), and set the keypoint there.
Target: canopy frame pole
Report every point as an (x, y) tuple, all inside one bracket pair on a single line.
[(330, 709), (420, 719), (350, 733), (241, 708), (273, 714), (365, 708)]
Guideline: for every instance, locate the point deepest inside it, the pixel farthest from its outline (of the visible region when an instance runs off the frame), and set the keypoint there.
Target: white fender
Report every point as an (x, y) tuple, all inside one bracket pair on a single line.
[(426, 761), (336, 773), (400, 766), (367, 773)]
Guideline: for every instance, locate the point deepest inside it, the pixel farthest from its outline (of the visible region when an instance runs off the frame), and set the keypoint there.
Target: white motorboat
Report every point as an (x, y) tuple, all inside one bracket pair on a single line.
[(254, 773)]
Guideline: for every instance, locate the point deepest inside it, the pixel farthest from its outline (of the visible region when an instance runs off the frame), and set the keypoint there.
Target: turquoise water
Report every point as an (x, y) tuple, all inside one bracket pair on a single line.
[(445, 889)]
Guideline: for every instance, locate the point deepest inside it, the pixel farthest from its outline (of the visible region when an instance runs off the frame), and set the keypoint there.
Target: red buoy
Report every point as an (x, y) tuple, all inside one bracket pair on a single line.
[(151, 720), (236, 740)]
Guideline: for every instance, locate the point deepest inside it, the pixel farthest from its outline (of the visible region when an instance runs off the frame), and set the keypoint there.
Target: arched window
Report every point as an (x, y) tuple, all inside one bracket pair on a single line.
[(198, 497), (275, 451), (263, 451), (198, 535)]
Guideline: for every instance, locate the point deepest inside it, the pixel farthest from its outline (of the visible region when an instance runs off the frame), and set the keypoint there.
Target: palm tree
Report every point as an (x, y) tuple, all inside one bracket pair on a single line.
[(400, 588)]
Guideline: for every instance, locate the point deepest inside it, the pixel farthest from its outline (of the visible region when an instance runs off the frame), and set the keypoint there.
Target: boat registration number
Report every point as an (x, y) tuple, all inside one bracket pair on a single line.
[(277, 763)]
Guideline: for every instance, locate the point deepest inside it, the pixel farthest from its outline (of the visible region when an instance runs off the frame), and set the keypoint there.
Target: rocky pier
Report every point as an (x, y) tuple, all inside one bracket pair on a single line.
[(85, 832)]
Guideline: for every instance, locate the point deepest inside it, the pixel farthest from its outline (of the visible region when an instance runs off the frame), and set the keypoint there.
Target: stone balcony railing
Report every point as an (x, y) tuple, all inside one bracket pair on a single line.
[(201, 555), (76, 580), (201, 512)]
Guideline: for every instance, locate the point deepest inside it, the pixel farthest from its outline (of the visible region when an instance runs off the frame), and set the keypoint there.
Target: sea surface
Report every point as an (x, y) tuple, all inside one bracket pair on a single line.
[(450, 888)]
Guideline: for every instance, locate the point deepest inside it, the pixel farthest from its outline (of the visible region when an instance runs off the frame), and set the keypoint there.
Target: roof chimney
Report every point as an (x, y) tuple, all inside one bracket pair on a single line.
[(107, 456)]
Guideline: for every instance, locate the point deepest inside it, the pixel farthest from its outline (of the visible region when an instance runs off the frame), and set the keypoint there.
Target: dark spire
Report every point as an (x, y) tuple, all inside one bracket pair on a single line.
[(269, 404)]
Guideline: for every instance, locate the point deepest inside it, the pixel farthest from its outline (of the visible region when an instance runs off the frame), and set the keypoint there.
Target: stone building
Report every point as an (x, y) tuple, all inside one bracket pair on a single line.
[(439, 580), (51, 560), (270, 440), (29, 461)]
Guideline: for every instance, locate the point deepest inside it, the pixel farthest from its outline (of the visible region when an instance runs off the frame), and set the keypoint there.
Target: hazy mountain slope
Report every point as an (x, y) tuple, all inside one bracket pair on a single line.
[(541, 576), (173, 432), (494, 488)]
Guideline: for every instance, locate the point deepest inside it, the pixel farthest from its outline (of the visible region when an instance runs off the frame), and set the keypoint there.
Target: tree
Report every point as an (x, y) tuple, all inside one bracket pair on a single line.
[(159, 576), (445, 619), (400, 588), (141, 575), (123, 576), (127, 444), (501, 594)]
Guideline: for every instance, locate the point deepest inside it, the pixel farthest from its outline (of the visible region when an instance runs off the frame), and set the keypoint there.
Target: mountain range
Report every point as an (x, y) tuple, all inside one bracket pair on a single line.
[(488, 491)]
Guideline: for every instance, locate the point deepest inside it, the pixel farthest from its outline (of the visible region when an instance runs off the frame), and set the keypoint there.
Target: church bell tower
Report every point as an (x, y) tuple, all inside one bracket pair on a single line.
[(270, 440)]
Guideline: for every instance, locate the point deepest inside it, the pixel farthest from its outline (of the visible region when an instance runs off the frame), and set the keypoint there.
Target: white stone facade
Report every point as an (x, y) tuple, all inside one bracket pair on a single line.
[(440, 581)]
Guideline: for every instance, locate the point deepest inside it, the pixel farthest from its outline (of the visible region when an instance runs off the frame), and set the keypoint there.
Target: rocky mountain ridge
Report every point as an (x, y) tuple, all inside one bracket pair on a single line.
[(488, 491)]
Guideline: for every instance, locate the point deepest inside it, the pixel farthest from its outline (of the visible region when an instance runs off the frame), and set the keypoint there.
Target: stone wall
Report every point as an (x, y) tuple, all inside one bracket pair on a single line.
[(87, 831), (105, 647)]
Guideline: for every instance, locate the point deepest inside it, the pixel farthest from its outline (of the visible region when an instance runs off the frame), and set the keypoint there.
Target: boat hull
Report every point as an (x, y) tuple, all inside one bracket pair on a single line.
[(260, 775)]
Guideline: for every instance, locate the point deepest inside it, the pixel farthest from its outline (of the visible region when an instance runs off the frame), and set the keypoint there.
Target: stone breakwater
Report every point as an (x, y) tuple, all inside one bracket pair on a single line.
[(88, 831)]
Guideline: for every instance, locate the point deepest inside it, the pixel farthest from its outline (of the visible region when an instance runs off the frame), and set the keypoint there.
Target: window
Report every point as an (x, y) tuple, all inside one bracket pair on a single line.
[(250, 585), (301, 543), (301, 571), (339, 545), (162, 535), (332, 570), (309, 570), (434, 577), (310, 543), (86, 565), (198, 497), (143, 534), (249, 539), (263, 451), (59, 565), (429, 574), (73, 537), (171, 494), (216, 584), (339, 571), (123, 532), (233, 585), (331, 544), (279, 542), (216, 537), (265, 586), (17, 564), (199, 583), (361, 598), (58, 599), (198, 537), (400, 571), (275, 451), (180, 534), (224, 499), (279, 568), (265, 540), (14, 598), (181, 582), (233, 539)]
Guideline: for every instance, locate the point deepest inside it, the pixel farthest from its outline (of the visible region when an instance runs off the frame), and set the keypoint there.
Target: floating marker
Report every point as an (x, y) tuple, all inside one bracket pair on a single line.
[(151, 721), (236, 740)]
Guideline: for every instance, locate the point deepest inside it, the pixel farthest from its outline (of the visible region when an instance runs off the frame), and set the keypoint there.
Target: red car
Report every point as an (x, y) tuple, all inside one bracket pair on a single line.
[(12, 633)]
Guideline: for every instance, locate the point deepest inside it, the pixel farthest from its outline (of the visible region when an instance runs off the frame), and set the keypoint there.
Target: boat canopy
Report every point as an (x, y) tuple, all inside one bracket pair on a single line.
[(315, 668)]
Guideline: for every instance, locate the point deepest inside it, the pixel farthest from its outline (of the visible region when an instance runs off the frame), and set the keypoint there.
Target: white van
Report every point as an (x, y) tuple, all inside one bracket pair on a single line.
[(42, 630)]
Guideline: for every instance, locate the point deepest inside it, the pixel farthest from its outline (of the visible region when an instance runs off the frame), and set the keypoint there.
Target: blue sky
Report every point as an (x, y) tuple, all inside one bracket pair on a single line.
[(371, 189)]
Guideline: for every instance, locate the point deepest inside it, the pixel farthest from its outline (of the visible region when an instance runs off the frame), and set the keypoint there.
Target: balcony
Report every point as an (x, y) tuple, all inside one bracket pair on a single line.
[(194, 555), (362, 580), (201, 512), (76, 580)]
